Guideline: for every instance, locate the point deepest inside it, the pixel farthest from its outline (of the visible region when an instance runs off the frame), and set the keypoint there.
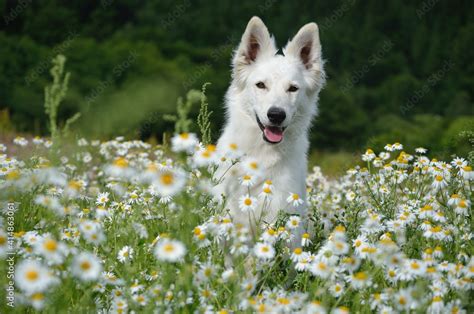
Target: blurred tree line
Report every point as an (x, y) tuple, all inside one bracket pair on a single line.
[(397, 70)]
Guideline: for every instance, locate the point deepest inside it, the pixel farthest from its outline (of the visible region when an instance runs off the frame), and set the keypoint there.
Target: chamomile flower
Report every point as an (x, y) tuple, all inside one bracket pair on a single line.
[(321, 269), (439, 182), (247, 203), (467, 173), (421, 150), (247, 180), (125, 254), (267, 190), (306, 239), (294, 199), (293, 222), (184, 142), (359, 280), (337, 289), (369, 155), (462, 207), (86, 266), (167, 250), (102, 198), (53, 251), (168, 183), (31, 276), (459, 162), (264, 251)]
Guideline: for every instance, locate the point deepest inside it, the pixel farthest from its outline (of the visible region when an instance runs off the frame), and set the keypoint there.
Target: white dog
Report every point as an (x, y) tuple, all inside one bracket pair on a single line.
[(270, 104)]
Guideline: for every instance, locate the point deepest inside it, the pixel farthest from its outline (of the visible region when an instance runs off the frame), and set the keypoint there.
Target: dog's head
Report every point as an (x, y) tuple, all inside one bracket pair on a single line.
[(278, 89)]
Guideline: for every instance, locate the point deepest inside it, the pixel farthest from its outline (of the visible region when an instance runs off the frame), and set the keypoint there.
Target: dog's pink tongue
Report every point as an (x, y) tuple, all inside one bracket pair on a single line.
[(273, 134)]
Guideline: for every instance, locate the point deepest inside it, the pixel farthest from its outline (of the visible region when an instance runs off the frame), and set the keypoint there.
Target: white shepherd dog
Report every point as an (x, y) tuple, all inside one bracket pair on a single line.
[(270, 104)]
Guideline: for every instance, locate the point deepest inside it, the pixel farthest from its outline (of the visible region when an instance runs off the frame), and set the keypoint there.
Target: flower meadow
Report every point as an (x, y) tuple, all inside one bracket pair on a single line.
[(124, 226)]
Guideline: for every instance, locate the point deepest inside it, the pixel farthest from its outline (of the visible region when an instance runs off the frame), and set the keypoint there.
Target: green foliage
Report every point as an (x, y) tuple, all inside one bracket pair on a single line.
[(181, 120), (53, 96), (204, 116)]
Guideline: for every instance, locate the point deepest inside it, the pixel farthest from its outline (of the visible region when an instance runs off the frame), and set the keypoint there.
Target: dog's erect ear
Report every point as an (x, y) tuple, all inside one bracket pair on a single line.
[(256, 41), (306, 46)]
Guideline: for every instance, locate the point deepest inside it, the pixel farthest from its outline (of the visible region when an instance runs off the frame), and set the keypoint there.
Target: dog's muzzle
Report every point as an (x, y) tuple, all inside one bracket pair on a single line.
[(271, 134)]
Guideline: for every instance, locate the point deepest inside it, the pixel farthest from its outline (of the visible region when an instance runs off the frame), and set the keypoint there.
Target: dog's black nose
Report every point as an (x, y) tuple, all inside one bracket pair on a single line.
[(276, 115)]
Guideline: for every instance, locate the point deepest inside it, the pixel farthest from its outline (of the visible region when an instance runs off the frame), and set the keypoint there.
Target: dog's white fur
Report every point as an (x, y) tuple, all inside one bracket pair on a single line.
[(256, 60)]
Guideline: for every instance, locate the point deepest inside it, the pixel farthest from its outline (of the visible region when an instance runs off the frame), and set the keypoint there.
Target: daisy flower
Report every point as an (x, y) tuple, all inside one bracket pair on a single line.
[(306, 239), (467, 173), (359, 280), (294, 199), (86, 266), (125, 254), (293, 222), (31, 276), (337, 289), (252, 167), (321, 269), (369, 155), (169, 182), (459, 162), (184, 142), (315, 307), (102, 198), (462, 207), (205, 156), (269, 236), (439, 182), (167, 250), (53, 251), (298, 254), (247, 180), (247, 203), (264, 251)]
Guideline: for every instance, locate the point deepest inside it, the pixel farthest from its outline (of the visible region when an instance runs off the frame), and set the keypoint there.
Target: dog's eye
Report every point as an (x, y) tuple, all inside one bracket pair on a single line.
[(292, 88), (260, 85)]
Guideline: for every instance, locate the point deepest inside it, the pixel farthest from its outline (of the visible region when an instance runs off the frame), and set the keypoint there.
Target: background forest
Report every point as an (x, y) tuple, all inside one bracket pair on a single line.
[(397, 70)]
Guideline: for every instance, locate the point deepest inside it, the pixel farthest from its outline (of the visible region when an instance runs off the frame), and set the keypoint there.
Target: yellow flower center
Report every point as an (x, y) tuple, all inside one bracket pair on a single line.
[(360, 275), (37, 296), (167, 178), (184, 136), (121, 162), (50, 245), (168, 248), (85, 265), (248, 202), (283, 301), (32, 275)]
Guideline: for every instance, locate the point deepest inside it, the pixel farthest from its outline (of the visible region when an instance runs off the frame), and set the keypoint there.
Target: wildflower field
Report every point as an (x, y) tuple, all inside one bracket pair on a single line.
[(124, 226)]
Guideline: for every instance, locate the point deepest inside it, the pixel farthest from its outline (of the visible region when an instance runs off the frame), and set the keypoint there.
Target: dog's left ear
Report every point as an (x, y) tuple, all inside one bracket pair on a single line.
[(306, 47)]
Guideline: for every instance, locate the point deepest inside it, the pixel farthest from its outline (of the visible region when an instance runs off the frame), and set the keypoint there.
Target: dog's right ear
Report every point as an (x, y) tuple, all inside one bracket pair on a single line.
[(256, 41)]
